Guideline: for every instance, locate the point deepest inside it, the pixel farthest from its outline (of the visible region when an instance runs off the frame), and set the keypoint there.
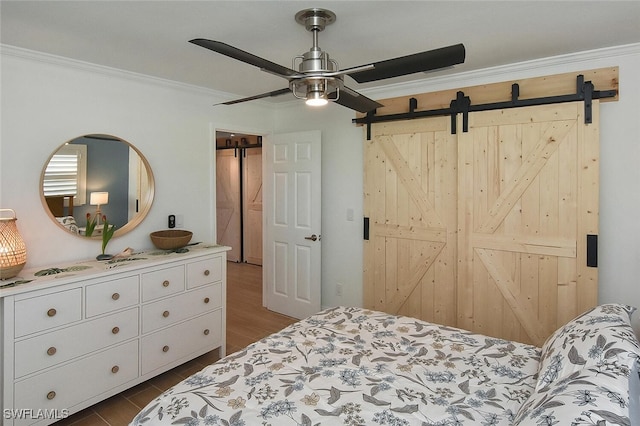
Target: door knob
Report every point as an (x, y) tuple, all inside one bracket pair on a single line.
[(314, 237)]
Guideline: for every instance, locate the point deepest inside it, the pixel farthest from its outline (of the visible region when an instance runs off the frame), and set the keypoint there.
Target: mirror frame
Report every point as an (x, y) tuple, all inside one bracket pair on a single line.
[(130, 225)]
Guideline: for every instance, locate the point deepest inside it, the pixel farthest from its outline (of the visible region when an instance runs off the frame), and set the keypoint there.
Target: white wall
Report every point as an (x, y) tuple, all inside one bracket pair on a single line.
[(619, 239), (47, 101)]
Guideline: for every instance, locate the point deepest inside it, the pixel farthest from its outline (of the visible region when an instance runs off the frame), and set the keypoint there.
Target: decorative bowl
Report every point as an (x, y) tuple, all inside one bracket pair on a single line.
[(170, 239)]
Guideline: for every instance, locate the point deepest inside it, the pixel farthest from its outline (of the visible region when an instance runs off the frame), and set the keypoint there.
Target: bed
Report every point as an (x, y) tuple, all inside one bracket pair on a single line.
[(354, 366)]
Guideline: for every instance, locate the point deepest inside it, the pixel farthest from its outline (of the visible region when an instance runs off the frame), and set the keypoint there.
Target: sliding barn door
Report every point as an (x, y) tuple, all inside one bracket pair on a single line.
[(486, 229), (228, 213), (528, 197), (410, 199), (252, 205)]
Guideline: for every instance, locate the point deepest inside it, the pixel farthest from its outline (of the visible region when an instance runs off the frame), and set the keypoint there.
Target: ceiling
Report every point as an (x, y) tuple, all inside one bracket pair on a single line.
[(151, 37)]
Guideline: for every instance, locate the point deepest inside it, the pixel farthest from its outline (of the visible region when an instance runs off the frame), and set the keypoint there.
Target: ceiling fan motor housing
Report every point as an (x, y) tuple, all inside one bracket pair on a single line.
[(315, 61)]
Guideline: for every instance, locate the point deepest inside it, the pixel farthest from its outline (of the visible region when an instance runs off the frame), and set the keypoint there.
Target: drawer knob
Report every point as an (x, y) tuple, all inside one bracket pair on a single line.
[(206, 331), (51, 395), (165, 283), (115, 296), (52, 351), (51, 312), (206, 272), (165, 314), (115, 330), (206, 300), (115, 369), (165, 348)]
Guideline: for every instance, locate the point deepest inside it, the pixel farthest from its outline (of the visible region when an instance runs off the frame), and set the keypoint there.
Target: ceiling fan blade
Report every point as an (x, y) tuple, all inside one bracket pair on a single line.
[(252, 98), (351, 99), (410, 64), (243, 56)]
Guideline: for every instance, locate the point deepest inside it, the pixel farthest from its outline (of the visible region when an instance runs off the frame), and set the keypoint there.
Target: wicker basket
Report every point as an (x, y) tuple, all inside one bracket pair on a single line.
[(170, 239)]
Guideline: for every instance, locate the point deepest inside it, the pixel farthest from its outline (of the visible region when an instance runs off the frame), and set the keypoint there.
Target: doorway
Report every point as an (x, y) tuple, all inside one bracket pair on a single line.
[(239, 195)]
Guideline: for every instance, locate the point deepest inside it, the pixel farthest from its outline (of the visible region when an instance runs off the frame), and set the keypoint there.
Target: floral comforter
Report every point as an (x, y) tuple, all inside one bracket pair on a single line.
[(353, 366)]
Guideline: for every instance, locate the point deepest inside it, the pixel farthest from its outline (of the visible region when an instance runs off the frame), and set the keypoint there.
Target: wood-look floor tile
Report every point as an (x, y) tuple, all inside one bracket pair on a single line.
[(141, 399), (166, 380), (85, 417), (90, 419), (117, 411), (137, 389)]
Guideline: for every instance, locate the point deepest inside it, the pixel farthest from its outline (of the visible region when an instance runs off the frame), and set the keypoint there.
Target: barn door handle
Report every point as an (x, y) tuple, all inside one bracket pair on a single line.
[(366, 228), (314, 237), (592, 250)]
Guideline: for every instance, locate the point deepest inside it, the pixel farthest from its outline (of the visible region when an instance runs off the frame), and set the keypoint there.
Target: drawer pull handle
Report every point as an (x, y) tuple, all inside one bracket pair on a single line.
[(206, 272), (206, 331), (51, 312), (165, 314), (206, 300), (115, 369), (165, 348), (115, 330), (51, 351), (51, 395), (165, 283), (115, 296)]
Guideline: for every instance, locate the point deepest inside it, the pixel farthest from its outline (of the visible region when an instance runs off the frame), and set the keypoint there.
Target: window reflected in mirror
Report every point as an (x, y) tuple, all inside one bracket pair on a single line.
[(96, 177)]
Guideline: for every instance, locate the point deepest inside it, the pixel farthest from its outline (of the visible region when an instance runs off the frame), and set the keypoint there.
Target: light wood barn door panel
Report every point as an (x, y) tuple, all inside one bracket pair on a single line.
[(410, 185), (228, 202), (252, 205), (528, 196)]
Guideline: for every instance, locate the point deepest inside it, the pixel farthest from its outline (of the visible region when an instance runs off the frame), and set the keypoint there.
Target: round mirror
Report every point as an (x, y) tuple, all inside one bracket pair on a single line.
[(94, 178)]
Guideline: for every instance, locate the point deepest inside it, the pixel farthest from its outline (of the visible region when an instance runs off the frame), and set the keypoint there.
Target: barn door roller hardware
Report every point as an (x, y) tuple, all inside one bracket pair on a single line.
[(462, 105)]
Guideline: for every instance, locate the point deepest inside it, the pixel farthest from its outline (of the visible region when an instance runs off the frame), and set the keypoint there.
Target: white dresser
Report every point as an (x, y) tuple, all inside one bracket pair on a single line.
[(77, 333)]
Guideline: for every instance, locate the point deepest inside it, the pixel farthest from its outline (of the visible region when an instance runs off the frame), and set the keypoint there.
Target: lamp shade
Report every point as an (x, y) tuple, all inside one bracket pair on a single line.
[(13, 252), (99, 198)]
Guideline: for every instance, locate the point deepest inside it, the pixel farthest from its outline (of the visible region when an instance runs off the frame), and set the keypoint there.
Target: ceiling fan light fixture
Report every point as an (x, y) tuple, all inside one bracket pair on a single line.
[(316, 98)]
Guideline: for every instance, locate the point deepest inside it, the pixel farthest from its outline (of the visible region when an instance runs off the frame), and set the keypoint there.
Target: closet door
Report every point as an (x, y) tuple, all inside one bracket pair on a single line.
[(228, 202), (410, 199), (528, 197)]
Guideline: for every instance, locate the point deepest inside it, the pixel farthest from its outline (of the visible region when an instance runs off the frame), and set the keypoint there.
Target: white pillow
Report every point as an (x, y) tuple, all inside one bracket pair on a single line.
[(634, 394), (584, 397), (601, 338)]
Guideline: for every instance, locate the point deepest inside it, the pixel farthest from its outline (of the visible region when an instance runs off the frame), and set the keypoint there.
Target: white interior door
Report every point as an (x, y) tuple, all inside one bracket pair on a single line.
[(292, 204)]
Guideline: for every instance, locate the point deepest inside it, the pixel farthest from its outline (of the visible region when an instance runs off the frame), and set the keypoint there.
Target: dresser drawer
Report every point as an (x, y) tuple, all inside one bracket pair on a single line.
[(171, 344), (69, 385), (47, 311), (112, 295), (163, 282), (204, 272), (49, 349), (168, 311)]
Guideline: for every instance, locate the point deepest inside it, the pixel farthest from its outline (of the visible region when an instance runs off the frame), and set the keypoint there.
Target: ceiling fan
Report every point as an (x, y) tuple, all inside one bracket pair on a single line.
[(317, 79)]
